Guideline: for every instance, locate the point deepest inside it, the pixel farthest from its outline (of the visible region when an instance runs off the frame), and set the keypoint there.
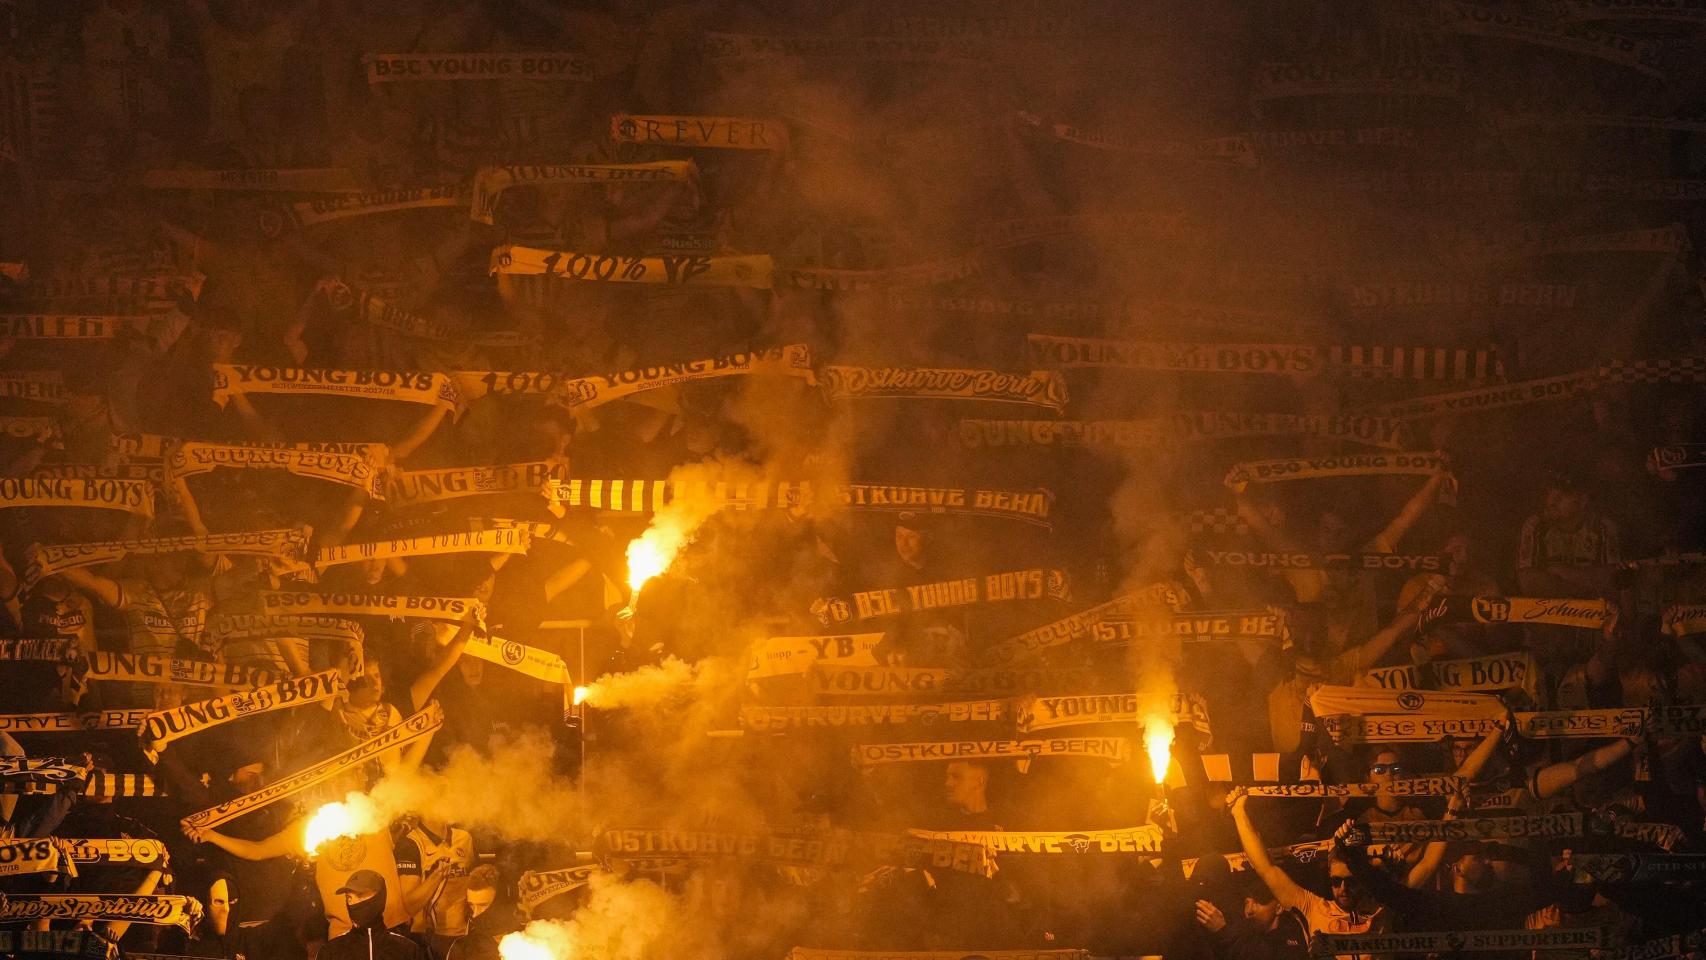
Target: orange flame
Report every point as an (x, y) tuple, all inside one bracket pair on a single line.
[(651, 554), (354, 816), (1158, 740), (539, 940)]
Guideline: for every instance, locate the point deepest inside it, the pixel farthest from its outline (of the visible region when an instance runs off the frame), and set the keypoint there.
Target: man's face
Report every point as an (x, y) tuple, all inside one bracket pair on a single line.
[(479, 900), (247, 779), (352, 898), (909, 545), (167, 573), (965, 785), (1460, 750), (1472, 868), (1386, 767), (1262, 914), (1347, 893), (367, 692), (1333, 535), (1564, 505), (1457, 550), (473, 669)]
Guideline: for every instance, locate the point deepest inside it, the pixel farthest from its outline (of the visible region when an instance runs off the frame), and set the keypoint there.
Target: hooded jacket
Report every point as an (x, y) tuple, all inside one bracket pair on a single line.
[(368, 939)]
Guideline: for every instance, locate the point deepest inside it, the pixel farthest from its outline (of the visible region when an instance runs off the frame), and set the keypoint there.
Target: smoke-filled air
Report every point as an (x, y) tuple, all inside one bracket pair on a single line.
[(852, 479)]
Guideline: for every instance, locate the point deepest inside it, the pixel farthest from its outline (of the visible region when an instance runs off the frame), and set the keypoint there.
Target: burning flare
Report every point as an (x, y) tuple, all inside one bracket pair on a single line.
[(540, 940), (580, 695), (354, 816), (652, 552), (701, 490), (1158, 740)]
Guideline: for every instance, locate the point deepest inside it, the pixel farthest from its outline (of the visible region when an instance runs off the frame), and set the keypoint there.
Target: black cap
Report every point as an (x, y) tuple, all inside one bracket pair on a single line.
[(913, 520), (363, 882)]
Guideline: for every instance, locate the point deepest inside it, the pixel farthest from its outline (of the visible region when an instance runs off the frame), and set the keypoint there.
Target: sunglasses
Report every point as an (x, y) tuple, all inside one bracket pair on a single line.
[(1341, 881), (1383, 769)]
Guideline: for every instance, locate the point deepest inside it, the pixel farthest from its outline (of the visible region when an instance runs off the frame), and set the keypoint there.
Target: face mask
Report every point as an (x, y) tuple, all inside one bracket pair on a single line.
[(367, 913)]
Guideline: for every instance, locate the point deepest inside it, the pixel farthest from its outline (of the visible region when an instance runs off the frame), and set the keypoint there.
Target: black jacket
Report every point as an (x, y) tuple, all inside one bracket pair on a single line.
[(369, 940)]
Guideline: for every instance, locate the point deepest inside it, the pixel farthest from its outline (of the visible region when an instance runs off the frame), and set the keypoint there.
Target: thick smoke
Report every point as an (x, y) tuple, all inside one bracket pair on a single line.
[(531, 804), (652, 686), (620, 921)]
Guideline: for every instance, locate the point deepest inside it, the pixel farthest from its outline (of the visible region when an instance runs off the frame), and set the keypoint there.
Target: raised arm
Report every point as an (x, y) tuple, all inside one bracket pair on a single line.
[(421, 690), (1551, 780), (286, 841), (1600, 668), (104, 589), (1471, 768), (1401, 897), (1477, 759), (419, 890), (336, 532), (8, 582), (258, 427), (1368, 653), (419, 433), (1284, 888), (1387, 540), (116, 929)]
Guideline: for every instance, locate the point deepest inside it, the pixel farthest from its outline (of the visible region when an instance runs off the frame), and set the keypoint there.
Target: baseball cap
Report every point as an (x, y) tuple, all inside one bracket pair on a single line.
[(912, 520), (363, 882)]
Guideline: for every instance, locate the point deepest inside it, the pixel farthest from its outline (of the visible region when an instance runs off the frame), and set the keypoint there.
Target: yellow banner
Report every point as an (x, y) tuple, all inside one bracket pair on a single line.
[(748, 270), (284, 548), (363, 471), (513, 540), (41, 386), (779, 718), (1067, 629), (308, 213), (490, 182), (164, 726), (413, 487), (1144, 839), (131, 496), (65, 326), (267, 180), (723, 133), (450, 609), (158, 909), (151, 668), (1330, 700), (431, 389), (44, 430), (793, 360), (1115, 749), (532, 661), (1043, 389), (541, 65), (1047, 711)]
